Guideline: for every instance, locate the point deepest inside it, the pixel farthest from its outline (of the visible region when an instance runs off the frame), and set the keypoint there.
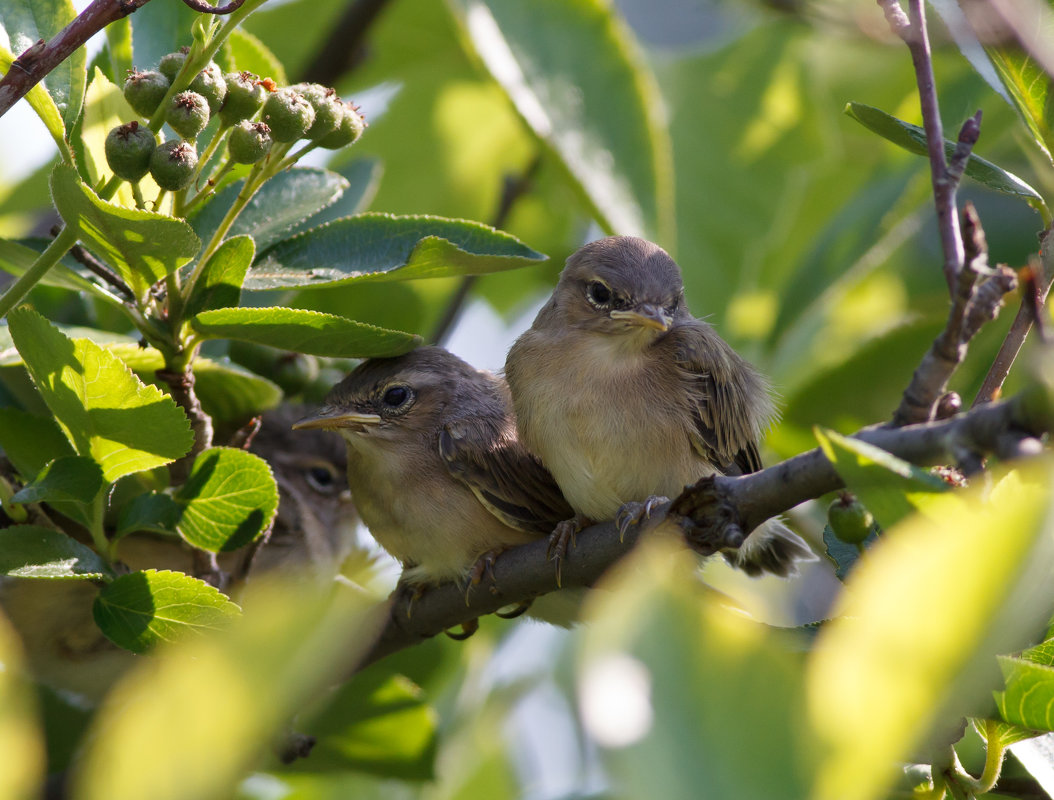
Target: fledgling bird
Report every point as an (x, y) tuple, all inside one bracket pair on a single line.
[(626, 397), (435, 467)]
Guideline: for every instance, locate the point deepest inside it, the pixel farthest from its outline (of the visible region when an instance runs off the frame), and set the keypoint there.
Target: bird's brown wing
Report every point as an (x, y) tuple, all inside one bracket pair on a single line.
[(729, 399), (510, 482)]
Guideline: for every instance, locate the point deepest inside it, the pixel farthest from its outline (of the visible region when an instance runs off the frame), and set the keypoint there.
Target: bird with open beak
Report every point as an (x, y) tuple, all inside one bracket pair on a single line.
[(627, 398), (435, 466)]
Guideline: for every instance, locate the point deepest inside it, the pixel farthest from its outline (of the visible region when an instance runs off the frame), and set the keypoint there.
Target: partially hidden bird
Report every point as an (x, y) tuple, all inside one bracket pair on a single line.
[(627, 398), (435, 467)]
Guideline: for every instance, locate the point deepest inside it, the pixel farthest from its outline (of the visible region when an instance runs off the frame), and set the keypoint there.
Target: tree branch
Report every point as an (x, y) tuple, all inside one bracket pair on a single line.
[(709, 514), (344, 47), (181, 384), (39, 59), (205, 8)]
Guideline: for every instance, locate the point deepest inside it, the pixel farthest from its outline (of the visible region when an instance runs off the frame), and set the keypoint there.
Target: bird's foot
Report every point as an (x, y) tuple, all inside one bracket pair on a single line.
[(561, 538), (467, 629), (412, 591), (483, 568), (634, 513)]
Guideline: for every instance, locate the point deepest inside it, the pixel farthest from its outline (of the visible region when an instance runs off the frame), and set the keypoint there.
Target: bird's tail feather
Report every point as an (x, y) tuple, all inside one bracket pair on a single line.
[(771, 547)]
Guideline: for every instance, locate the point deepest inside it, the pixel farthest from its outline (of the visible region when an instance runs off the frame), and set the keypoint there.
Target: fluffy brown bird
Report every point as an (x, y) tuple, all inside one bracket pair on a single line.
[(626, 397), (435, 467)]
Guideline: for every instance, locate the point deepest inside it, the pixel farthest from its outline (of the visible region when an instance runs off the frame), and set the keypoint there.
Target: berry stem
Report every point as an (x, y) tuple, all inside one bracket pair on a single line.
[(218, 138), (137, 194)]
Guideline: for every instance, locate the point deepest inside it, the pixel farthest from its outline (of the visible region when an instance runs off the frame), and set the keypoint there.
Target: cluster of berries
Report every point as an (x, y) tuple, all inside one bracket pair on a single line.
[(302, 111)]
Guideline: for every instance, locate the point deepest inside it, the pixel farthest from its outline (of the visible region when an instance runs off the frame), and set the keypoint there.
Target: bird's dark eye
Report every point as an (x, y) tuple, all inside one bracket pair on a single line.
[(321, 478), (599, 293), (396, 396)]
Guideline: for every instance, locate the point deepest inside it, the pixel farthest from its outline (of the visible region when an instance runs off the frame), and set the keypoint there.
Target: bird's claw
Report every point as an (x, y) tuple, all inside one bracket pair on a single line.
[(483, 568), (634, 513), (517, 610), (560, 539), (413, 592), (467, 629)]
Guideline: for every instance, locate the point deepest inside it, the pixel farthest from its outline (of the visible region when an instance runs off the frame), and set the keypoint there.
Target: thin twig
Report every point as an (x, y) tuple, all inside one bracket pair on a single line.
[(703, 514), (91, 263), (343, 49), (37, 61), (513, 188)]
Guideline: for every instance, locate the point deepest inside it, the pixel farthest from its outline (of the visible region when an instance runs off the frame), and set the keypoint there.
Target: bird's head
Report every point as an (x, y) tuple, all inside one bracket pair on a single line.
[(400, 402), (621, 285)]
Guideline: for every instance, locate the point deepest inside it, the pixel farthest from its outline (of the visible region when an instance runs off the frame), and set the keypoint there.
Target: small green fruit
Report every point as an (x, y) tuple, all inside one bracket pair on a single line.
[(144, 91), (850, 521), (172, 63), (250, 141), (188, 114), (327, 105), (172, 164), (128, 150), (349, 130), (211, 85), (288, 114), (245, 96)]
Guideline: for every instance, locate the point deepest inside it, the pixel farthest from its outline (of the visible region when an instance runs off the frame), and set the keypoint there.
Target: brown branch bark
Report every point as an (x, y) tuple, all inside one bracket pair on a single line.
[(709, 514), (37, 61), (181, 385)]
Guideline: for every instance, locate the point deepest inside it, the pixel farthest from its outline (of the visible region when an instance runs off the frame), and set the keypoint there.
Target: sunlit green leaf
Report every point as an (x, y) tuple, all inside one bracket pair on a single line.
[(221, 700), (285, 200), (913, 138), (248, 54), (575, 75), (22, 767), (73, 478), (890, 487), (103, 409), (303, 331), (142, 609), (30, 551), (142, 246), (387, 247), (39, 100), (1028, 699), (899, 666), (228, 500)]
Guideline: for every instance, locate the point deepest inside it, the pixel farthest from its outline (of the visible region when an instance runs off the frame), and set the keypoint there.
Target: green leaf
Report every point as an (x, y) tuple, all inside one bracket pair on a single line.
[(285, 200), (40, 101), (1028, 699), (141, 609), (222, 699), (102, 408), (23, 22), (221, 281), (913, 139), (151, 511), (228, 500), (16, 258), (226, 391), (386, 247), (843, 555), (890, 487), (910, 652), (650, 659), (74, 478), (248, 54), (303, 331), (377, 723), (30, 551), (30, 442), (577, 78), (1027, 83), (159, 29), (141, 246), (22, 767), (363, 176)]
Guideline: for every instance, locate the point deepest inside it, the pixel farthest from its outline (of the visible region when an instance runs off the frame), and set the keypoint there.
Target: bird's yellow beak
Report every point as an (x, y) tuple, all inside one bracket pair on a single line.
[(334, 418), (647, 316)]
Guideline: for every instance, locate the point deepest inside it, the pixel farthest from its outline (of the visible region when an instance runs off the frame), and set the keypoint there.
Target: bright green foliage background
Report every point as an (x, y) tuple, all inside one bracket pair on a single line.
[(775, 155)]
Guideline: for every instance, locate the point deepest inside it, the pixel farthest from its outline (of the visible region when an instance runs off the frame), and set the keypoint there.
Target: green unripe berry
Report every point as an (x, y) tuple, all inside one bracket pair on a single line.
[(288, 114), (188, 114), (350, 129), (172, 63), (128, 150), (211, 85), (249, 142), (144, 91), (850, 521), (327, 105), (172, 164), (245, 96)]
